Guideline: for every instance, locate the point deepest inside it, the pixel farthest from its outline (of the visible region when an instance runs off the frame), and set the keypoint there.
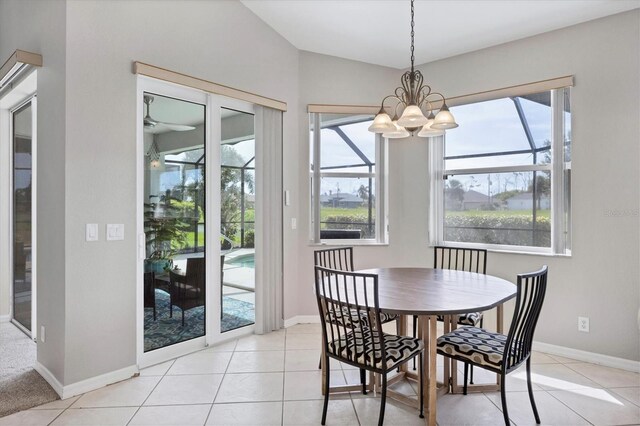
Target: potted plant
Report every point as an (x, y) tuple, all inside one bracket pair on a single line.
[(165, 234)]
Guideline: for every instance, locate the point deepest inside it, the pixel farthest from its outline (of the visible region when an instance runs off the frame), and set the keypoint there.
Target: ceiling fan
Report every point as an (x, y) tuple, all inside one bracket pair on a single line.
[(150, 123)]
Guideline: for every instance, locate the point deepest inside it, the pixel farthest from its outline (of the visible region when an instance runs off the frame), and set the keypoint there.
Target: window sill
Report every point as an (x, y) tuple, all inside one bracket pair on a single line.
[(347, 243), (518, 250)]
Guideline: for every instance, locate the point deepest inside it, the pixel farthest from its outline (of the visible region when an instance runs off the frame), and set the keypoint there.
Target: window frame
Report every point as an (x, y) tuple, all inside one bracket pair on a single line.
[(559, 168), (379, 177)]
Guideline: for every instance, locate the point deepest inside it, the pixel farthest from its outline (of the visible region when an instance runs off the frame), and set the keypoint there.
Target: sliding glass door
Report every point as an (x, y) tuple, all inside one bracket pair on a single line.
[(174, 208), (22, 214), (237, 219), (197, 186)]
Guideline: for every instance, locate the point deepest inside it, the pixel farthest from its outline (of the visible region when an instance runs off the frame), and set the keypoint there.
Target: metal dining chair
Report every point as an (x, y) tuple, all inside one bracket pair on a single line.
[(341, 259), (352, 333), (499, 353), (460, 259)]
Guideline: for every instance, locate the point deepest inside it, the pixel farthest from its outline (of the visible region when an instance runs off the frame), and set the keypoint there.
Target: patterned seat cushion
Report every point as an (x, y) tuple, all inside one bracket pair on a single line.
[(472, 318), (386, 317), (478, 345), (346, 316), (398, 348)]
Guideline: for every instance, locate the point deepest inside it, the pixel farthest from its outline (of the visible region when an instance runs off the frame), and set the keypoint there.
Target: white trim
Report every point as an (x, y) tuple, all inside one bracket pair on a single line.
[(34, 218), (5, 318), (301, 319), (146, 84), (87, 385), (501, 169), (50, 378), (592, 357)]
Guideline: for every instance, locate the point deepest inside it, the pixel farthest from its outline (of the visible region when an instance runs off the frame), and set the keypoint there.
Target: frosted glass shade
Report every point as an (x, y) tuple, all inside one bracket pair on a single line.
[(412, 116), (382, 123), (444, 119), (397, 133), (428, 132)]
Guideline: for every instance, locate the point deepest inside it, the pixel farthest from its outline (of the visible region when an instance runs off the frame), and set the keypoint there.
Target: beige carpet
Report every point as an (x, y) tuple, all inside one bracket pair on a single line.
[(21, 387)]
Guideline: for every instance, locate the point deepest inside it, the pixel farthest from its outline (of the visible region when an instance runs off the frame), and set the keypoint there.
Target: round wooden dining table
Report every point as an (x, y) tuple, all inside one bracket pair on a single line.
[(428, 293)]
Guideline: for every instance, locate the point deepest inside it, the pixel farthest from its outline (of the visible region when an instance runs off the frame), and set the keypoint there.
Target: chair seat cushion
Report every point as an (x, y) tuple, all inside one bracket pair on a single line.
[(477, 345), (472, 318), (367, 352), (346, 316)]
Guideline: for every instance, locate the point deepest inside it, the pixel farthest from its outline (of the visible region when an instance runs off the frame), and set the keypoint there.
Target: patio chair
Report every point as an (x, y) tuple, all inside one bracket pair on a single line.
[(187, 291), (345, 299), (150, 292), (499, 353)]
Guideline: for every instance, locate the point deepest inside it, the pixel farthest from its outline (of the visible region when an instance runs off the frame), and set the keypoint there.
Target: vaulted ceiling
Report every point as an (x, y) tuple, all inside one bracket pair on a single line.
[(377, 31)]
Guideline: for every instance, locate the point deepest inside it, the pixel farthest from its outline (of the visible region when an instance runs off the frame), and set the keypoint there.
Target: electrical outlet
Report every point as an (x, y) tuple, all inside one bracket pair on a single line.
[(43, 336), (583, 324)]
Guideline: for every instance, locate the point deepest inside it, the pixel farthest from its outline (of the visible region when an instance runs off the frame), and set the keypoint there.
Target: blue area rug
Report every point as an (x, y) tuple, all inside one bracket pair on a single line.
[(166, 331)]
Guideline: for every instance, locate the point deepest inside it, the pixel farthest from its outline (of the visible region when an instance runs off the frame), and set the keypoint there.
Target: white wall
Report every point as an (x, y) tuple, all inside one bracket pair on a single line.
[(602, 278), (39, 27)]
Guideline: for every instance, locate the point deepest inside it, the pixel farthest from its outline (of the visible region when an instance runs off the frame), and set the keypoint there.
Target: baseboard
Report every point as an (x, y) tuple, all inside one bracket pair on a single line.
[(592, 357), (98, 382), (50, 378), (302, 319), (85, 385), (5, 318)]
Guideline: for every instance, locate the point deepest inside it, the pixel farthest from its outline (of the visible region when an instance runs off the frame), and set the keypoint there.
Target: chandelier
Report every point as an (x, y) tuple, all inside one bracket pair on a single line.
[(414, 97)]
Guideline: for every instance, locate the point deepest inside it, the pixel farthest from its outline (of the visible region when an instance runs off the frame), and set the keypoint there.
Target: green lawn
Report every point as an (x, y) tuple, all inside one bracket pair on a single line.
[(326, 212), (497, 213)]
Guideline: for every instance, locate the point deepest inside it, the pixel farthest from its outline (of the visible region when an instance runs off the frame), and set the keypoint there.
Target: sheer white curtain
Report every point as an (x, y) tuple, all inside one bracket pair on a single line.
[(268, 240)]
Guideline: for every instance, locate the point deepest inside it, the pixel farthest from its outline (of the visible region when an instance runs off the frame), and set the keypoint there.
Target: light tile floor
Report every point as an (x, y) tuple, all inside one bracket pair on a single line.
[(274, 380)]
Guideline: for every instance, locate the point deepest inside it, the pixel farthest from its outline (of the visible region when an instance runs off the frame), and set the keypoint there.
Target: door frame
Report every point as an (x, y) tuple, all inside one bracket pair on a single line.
[(23, 93), (145, 84), (213, 103), (217, 102)]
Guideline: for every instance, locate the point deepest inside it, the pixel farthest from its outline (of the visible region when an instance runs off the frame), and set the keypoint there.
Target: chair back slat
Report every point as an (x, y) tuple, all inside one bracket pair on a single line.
[(344, 299), (460, 259), (340, 259), (531, 290)]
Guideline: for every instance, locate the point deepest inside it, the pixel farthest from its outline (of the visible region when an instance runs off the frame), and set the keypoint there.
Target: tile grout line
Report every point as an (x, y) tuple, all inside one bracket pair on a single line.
[(284, 367), (220, 385), (154, 388), (571, 409)]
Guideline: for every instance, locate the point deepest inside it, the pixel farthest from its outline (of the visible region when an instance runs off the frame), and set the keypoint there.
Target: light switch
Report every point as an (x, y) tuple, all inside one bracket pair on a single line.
[(294, 223), (115, 231), (91, 232)]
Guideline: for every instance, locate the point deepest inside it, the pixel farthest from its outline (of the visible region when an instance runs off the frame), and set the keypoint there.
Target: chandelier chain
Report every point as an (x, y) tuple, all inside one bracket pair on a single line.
[(412, 36)]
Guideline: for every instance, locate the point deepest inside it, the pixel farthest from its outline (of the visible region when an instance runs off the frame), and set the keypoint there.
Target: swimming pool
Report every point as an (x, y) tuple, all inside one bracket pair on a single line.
[(245, 261)]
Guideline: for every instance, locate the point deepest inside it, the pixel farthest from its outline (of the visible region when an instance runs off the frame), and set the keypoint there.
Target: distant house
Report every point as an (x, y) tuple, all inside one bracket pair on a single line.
[(341, 199), (524, 201), (474, 200)]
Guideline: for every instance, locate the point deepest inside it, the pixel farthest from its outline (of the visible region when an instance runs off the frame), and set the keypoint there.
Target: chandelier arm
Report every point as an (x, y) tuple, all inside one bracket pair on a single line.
[(387, 97), (444, 100), (402, 96)]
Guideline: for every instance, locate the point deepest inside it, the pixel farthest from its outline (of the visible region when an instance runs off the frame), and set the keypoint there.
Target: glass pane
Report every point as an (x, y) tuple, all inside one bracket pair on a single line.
[(347, 145), (347, 208), (174, 221), (499, 208), (500, 133), (22, 211), (237, 227)]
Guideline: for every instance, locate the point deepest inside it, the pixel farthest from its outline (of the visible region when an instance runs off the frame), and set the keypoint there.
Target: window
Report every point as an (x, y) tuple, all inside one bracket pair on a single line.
[(502, 178), (347, 186)]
